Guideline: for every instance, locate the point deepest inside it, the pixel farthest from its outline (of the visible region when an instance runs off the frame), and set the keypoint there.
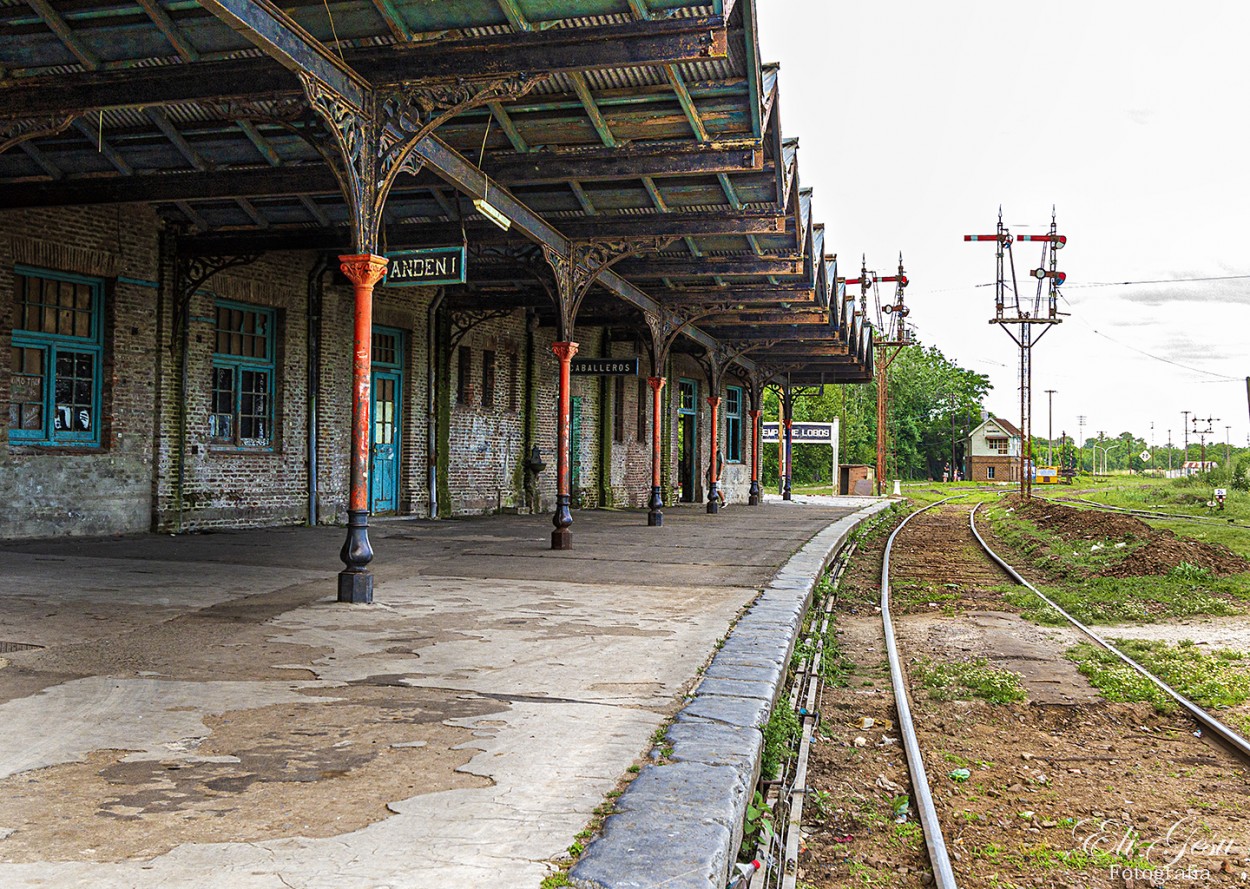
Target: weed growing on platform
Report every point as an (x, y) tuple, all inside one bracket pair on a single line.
[(781, 734), (964, 680), (1217, 679), (757, 828)]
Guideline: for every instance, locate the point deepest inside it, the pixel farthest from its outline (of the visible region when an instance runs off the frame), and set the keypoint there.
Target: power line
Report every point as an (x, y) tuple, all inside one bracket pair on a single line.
[(1220, 377), (1154, 281), (1112, 283)]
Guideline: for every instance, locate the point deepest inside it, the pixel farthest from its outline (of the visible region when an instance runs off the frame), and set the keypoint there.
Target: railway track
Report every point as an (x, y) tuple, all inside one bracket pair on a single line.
[(935, 840)]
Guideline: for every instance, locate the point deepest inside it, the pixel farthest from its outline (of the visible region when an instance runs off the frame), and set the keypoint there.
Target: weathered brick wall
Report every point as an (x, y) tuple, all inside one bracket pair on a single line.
[(158, 469), (105, 490), (224, 486), (487, 441), (631, 457)]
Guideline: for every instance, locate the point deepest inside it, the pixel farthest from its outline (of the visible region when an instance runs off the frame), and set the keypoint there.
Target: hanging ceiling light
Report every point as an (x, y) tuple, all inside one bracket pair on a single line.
[(490, 211)]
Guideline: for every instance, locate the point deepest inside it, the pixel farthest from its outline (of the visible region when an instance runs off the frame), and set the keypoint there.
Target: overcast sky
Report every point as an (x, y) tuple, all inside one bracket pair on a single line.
[(916, 120)]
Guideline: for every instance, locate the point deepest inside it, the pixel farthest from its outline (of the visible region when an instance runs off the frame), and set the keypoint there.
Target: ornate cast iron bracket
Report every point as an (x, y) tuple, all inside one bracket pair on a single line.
[(15, 132), (192, 272), (668, 324), (369, 147), (716, 361), (580, 264), (464, 320)]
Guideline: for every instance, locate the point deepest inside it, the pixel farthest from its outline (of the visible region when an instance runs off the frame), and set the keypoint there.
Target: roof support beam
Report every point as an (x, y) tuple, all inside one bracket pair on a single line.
[(535, 52), (176, 38), (309, 179), (53, 20), (394, 19), (668, 267), (264, 24), (459, 172)]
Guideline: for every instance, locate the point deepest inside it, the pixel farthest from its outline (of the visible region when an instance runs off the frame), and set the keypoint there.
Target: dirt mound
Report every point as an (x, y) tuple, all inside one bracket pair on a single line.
[(1159, 551)]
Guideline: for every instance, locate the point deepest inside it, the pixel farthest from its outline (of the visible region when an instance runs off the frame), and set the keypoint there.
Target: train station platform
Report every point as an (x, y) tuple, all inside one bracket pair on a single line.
[(200, 711)]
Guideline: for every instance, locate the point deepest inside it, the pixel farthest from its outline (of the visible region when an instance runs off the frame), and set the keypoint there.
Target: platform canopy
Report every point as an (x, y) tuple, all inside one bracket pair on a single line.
[(590, 121)]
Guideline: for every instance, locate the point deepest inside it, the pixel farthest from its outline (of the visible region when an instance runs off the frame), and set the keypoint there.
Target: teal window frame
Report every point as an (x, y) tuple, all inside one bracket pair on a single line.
[(687, 387), (54, 347), (239, 366), (733, 424)]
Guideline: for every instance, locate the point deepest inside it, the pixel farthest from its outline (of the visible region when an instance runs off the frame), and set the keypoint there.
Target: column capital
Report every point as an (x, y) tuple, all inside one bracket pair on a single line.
[(564, 351), (789, 423), (754, 414), (656, 383), (713, 400), (363, 270)]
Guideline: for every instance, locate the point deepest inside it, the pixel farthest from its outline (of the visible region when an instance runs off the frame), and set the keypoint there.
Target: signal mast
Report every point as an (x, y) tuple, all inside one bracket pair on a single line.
[(1024, 315), (893, 335)]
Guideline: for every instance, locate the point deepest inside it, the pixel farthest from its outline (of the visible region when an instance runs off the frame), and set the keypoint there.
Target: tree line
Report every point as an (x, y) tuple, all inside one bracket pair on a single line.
[(932, 405)]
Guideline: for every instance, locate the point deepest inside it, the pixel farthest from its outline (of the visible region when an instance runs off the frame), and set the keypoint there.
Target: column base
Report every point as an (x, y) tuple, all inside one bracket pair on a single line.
[(753, 495), (753, 500), (655, 519), (713, 507), (561, 538), (356, 587)]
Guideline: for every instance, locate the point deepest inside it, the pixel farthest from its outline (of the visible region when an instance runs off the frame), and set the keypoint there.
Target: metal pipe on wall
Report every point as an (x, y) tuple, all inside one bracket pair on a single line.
[(316, 292), (431, 362)]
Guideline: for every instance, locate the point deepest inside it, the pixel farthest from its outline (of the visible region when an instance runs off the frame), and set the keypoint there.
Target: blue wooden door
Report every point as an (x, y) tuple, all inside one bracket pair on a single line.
[(386, 420)]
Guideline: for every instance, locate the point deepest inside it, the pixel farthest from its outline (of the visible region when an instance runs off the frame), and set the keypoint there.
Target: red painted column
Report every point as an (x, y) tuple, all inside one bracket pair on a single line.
[(561, 537), (355, 580), (713, 493), (754, 492), (655, 506)]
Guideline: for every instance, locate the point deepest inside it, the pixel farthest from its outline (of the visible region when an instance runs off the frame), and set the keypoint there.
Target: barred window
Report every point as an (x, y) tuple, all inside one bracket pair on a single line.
[(243, 377), (488, 379), (464, 371), (618, 409), (55, 359), (733, 424)]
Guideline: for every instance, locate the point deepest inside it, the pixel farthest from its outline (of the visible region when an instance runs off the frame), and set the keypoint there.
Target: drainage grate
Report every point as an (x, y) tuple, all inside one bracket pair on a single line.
[(10, 647)]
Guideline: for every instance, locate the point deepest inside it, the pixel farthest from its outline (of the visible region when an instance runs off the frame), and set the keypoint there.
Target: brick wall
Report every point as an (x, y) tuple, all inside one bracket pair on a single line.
[(104, 490), (487, 441), (158, 469), (1006, 469)]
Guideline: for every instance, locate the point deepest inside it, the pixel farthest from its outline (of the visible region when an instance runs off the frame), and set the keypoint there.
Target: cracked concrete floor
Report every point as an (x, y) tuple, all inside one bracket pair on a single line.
[(200, 712)]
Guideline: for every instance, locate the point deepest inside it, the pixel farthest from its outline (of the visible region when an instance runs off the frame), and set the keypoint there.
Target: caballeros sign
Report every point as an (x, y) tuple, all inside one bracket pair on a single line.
[(604, 367)]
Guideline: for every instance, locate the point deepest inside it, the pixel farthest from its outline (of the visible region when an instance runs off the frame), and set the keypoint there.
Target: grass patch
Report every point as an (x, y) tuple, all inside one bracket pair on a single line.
[(1217, 679), (1074, 582), (964, 680), (1109, 600)]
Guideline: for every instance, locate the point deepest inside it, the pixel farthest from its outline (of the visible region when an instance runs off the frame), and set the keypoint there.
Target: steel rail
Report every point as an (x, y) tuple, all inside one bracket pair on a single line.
[(939, 858), (1201, 716), (1149, 514)]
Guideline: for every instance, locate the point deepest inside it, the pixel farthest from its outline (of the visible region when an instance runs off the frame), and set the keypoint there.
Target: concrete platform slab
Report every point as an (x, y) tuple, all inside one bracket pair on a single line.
[(200, 712)]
